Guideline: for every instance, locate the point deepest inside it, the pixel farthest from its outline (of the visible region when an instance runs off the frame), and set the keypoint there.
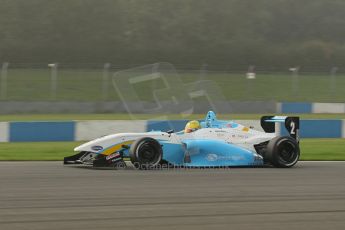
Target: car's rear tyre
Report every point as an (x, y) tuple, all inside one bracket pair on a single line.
[(146, 153), (282, 152)]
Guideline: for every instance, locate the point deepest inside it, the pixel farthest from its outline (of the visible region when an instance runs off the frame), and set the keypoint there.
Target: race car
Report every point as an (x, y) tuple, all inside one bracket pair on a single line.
[(207, 143)]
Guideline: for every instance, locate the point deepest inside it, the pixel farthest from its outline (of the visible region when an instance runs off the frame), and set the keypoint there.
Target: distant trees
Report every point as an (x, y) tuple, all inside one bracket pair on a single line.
[(267, 33)]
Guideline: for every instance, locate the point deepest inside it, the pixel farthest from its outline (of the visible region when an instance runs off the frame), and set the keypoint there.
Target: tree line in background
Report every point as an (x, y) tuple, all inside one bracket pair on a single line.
[(273, 34)]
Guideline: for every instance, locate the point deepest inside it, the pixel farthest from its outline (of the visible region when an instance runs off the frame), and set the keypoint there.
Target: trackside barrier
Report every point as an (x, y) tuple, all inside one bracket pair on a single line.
[(297, 107), (318, 129), (88, 130), (41, 131)]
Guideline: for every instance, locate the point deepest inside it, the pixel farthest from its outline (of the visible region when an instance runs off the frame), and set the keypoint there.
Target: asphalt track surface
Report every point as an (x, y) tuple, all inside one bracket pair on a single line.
[(47, 195)]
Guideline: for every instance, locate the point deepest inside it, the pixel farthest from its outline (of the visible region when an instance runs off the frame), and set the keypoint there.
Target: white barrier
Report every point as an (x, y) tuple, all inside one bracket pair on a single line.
[(88, 130), (4, 131), (328, 108)]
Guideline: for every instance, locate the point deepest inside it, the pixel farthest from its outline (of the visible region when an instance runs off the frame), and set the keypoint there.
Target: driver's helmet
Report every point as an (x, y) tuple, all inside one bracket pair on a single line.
[(192, 126)]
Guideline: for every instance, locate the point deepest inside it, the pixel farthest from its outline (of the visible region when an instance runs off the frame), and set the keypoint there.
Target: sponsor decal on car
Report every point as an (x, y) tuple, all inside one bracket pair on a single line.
[(212, 157), (231, 125), (114, 155), (220, 131), (97, 148), (245, 129), (215, 157)]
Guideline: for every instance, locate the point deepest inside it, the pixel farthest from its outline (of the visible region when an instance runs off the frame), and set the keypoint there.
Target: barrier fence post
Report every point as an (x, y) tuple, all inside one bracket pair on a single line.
[(294, 80), (4, 80), (53, 80), (333, 81), (250, 76), (203, 72), (105, 82)]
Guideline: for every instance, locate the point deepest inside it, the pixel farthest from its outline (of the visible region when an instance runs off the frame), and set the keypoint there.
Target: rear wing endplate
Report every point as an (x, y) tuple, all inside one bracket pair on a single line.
[(291, 124)]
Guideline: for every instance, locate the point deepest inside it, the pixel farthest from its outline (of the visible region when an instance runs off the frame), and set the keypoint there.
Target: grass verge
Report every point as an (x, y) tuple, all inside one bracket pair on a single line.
[(74, 85), (311, 149)]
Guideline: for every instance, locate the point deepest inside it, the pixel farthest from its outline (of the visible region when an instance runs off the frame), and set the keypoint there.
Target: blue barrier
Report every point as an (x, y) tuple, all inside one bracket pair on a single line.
[(41, 131), (292, 107), (318, 129)]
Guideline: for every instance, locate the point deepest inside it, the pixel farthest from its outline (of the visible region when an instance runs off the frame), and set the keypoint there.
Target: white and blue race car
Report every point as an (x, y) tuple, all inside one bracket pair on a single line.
[(209, 143)]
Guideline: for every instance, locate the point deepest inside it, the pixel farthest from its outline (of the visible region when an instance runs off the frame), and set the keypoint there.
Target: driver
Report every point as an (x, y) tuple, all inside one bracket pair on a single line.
[(192, 126)]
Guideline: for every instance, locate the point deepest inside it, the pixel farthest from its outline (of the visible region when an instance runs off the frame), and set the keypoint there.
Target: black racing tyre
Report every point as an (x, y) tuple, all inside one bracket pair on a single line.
[(282, 152), (146, 153)]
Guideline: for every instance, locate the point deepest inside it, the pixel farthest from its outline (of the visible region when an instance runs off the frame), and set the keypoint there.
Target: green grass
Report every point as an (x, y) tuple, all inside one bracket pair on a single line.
[(311, 149), (86, 85), (36, 150), (69, 117), (323, 149)]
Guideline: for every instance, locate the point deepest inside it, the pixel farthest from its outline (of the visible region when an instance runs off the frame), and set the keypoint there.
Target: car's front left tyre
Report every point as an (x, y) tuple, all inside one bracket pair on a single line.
[(146, 153)]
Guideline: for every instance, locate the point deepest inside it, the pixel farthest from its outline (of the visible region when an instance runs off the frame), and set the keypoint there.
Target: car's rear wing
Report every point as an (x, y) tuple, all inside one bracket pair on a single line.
[(291, 124)]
